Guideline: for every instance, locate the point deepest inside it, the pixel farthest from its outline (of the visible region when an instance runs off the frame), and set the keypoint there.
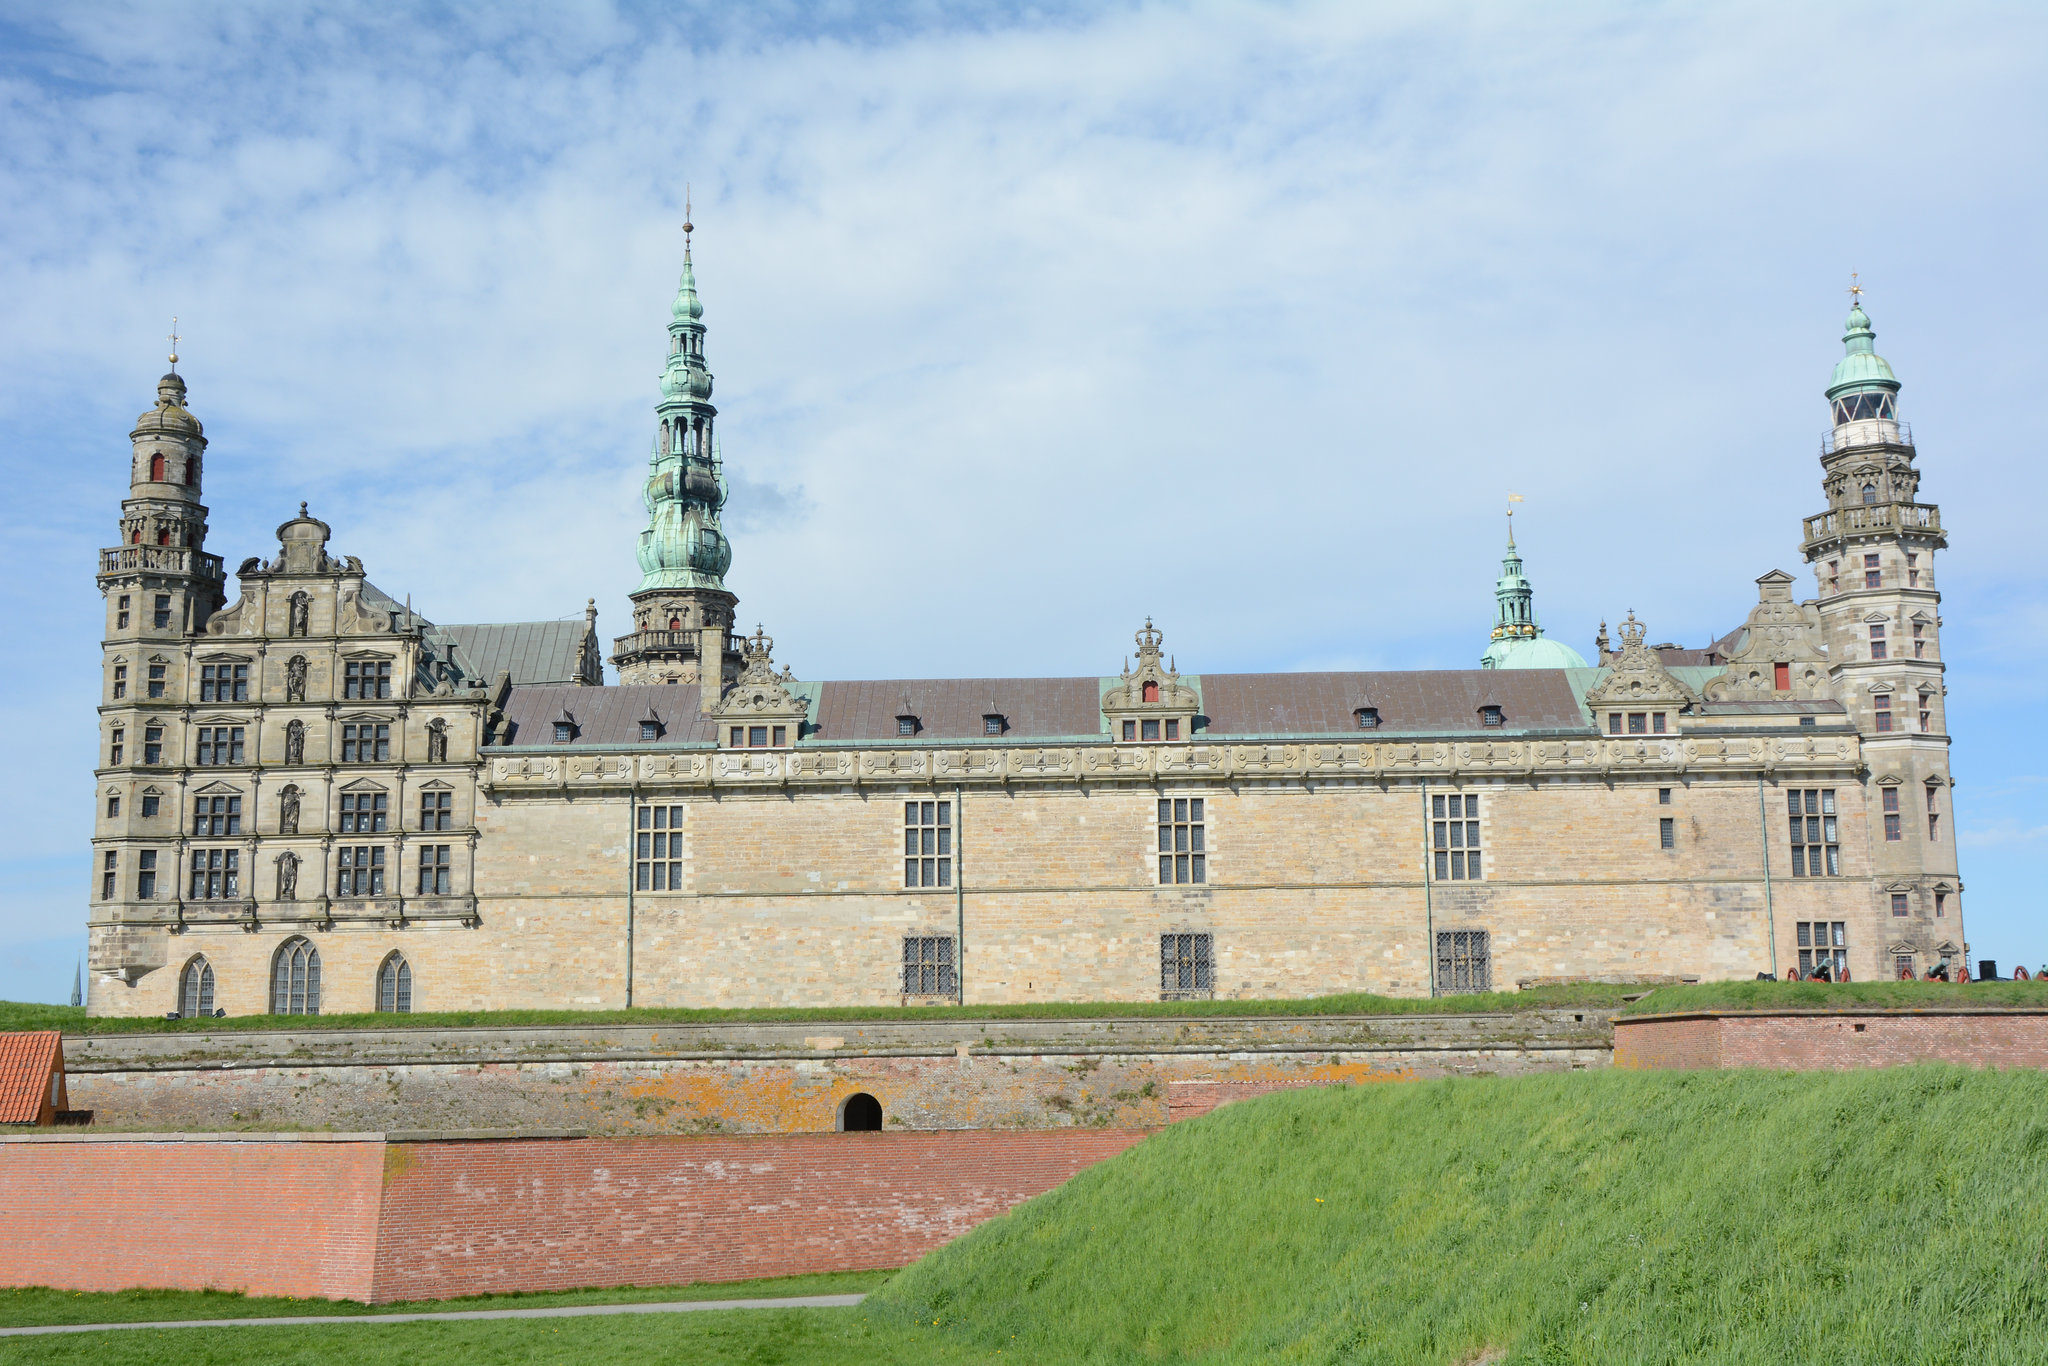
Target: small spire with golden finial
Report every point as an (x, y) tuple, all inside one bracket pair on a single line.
[(688, 226), (1513, 498), (1855, 289), (174, 344)]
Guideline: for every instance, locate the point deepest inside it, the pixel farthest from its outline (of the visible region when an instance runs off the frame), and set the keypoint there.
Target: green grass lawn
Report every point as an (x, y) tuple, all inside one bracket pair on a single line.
[(1827, 995), (1577, 1219), (73, 1020), (22, 1307)]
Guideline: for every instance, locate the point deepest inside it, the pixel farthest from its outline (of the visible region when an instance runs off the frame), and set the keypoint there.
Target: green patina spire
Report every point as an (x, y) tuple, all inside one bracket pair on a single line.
[(683, 546), (1518, 641), (1863, 385)]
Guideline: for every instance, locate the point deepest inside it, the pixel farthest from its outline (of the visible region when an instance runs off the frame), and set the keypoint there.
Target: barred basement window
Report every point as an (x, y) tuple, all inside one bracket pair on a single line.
[(433, 870), (213, 817), (366, 678), (1823, 943), (1454, 836), (109, 875), (156, 680), (359, 870), (295, 979), (1816, 850), (1464, 962), (218, 745), (1891, 815), (927, 844), (1667, 833), (216, 875), (1183, 855), (224, 683), (365, 744), (364, 813), (658, 849), (1186, 966), (195, 990), (394, 985), (928, 965), (437, 810), (145, 875)]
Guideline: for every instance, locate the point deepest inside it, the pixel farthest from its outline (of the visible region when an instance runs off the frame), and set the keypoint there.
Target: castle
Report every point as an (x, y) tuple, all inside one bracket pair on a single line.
[(316, 799)]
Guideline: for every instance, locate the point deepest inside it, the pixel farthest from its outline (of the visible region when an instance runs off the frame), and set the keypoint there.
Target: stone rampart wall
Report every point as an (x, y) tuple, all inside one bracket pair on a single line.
[(1811, 1040), (786, 1078)]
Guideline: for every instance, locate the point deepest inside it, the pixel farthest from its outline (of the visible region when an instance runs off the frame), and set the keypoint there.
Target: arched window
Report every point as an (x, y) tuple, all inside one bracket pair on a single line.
[(394, 985), (1869, 494), (195, 990), (860, 1112), (156, 468), (295, 978)]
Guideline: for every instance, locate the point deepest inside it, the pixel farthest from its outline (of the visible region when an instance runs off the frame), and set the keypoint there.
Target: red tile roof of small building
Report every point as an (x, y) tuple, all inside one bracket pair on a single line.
[(26, 1061)]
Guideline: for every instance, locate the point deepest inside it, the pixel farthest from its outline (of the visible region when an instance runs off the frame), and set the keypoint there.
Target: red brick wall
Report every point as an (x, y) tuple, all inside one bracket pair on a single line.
[(370, 1220), (462, 1218), (264, 1217), (1804, 1042)]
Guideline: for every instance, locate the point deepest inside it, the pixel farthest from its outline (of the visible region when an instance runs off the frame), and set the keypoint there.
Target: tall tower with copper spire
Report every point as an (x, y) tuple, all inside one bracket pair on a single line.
[(1518, 641), (1873, 552), (682, 612)]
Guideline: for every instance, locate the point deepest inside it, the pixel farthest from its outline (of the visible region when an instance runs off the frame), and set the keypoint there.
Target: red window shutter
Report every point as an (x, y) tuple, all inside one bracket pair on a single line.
[(1783, 679), (1151, 692)]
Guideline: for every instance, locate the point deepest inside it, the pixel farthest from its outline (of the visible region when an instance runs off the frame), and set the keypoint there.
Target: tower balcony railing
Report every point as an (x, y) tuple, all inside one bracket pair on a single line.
[(1869, 432), (656, 642), (160, 559), (1874, 517)]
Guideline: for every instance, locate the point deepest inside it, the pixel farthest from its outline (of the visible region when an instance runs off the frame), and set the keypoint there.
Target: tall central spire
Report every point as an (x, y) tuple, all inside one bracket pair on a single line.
[(1518, 641), (682, 605)]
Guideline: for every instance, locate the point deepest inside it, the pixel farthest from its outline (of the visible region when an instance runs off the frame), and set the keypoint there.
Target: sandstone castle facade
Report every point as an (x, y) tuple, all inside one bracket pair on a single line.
[(315, 799)]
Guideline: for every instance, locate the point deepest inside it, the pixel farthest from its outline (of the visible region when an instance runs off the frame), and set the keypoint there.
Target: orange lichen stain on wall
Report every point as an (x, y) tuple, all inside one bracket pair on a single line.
[(777, 1100)]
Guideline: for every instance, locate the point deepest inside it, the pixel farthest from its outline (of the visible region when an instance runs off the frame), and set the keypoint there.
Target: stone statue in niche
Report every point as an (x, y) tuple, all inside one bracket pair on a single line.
[(287, 876), (302, 608), (295, 679), (295, 743), (288, 811), (437, 742)]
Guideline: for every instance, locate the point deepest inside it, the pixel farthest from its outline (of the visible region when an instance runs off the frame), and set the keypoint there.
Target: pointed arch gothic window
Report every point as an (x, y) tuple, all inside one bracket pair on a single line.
[(295, 978), (394, 985), (195, 989)]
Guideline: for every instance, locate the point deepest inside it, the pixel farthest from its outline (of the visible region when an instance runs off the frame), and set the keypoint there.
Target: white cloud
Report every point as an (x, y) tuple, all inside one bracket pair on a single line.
[(1245, 317)]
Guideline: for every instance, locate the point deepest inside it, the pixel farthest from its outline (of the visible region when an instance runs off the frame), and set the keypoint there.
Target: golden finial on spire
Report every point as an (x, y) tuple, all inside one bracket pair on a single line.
[(174, 344), (688, 226), (1513, 498), (1855, 289)]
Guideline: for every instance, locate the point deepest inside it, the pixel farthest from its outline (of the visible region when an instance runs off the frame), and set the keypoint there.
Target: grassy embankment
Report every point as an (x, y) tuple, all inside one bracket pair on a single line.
[(1836, 995), (1703, 1217)]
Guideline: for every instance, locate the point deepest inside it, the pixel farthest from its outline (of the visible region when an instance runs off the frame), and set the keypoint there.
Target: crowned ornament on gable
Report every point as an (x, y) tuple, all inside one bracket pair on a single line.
[(1151, 701), (1637, 678), (760, 693)]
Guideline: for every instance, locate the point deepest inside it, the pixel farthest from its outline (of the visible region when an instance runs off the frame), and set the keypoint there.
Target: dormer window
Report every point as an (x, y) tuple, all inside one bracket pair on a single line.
[(1491, 716), (992, 723), (565, 728), (1368, 717), (906, 725), (650, 730)]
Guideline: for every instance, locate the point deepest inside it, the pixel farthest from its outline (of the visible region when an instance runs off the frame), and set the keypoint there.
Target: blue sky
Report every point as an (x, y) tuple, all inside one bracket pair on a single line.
[(1028, 323)]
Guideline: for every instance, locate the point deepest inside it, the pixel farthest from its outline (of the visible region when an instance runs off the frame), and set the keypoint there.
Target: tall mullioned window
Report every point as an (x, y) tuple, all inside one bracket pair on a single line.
[(928, 968), (394, 985), (224, 683), (1824, 943), (434, 870), (1892, 831), (1464, 961), (109, 875), (216, 745), (1187, 966), (153, 745), (658, 849), (1183, 841), (366, 678), (1816, 845), (213, 817), (145, 875), (120, 680), (437, 810), (195, 989), (364, 813), (927, 844), (156, 680), (295, 979), (365, 743), (1454, 836), (216, 875), (359, 870)]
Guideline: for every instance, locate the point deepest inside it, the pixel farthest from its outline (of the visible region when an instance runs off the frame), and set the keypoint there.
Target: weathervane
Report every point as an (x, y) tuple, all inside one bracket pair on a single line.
[(1855, 289), (688, 226), (174, 344), (1513, 498)]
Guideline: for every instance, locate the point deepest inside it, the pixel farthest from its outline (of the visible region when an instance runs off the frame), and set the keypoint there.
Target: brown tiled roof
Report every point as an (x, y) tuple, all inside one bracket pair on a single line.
[(1774, 707), (26, 1061), (1442, 701)]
